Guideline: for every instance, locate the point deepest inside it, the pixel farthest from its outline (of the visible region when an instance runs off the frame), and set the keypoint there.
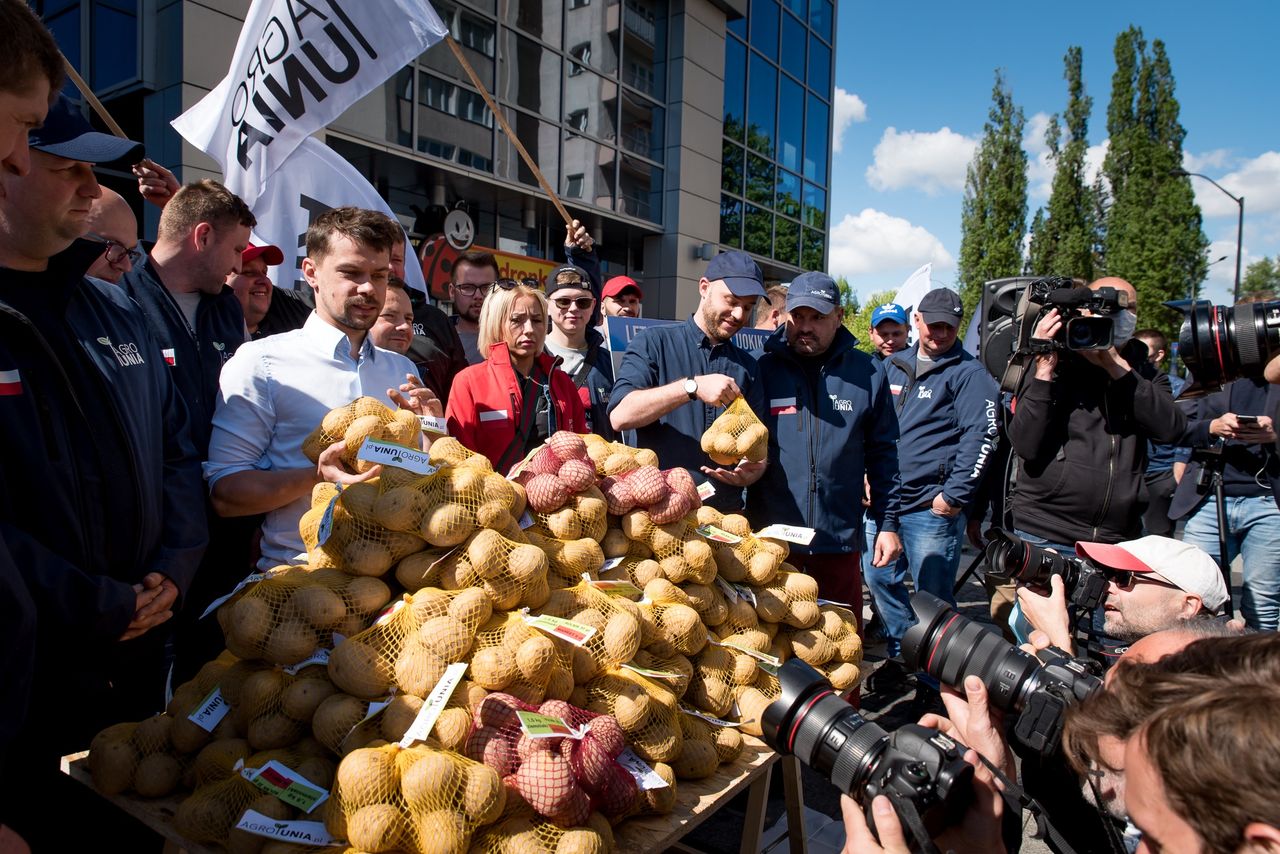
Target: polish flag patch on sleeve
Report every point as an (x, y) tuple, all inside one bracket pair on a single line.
[(896, 389), (10, 383), (169, 358), (782, 406)]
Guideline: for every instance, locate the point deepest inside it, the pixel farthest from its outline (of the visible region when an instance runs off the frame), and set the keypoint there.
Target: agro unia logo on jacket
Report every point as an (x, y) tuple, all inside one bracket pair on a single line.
[(126, 354)]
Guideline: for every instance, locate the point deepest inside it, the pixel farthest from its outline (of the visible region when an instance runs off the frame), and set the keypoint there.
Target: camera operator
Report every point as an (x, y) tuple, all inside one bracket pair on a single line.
[(1080, 426), (1240, 442)]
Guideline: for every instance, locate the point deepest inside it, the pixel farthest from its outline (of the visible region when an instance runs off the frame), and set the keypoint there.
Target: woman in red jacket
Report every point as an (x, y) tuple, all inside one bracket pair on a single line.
[(509, 404)]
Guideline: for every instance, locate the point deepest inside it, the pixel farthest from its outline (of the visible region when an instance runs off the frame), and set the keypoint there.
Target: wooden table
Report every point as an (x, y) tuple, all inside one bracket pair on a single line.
[(696, 801)]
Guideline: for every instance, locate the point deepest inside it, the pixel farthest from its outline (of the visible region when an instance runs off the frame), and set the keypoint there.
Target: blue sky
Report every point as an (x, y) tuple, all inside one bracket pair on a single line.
[(914, 87)]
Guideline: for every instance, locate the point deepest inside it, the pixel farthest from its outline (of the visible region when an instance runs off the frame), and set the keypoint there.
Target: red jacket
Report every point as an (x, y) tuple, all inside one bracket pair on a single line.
[(485, 407)]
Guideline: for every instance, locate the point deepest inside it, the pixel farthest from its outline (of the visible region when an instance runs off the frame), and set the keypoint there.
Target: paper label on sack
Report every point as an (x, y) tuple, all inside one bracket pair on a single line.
[(535, 725), (833, 602), (375, 706), (320, 656), (519, 467), (705, 491), (326, 521), (728, 589), (694, 713), (386, 453), (789, 533), (763, 657), (434, 704), (526, 520), (278, 779), (389, 611), (718, 535), (745, 592), (646, 777), (301, 832), (612, 562), (251, 578), (613, 587), (575, 633), (652, 674), (433, 424), (212, 709)]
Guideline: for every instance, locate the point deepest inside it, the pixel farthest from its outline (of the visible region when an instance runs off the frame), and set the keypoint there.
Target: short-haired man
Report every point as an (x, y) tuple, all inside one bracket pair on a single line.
[(112, 222), (830, 419), (469, 281), (182, 288), (274, 391), (394, 328), (772, 313), (252, 286), (674, 380), (621, 297), (888, 330)]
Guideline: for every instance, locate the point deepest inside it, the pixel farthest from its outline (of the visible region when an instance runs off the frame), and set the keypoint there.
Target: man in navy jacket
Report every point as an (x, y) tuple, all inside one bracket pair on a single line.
[(831, 421)]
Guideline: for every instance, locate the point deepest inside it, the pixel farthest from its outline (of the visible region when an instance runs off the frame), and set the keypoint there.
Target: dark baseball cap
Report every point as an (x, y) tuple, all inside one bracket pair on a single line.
[(889, 311), (941, 305), (618, 284), (568, 276), (739, 272), (67, 133), (271, 254), (813, 290)]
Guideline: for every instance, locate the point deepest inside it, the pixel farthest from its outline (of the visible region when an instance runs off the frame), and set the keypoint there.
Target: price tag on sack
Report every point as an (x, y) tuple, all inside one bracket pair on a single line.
[(326, 521), (526, 520), (299, 832), (728, 589), (388, 454), (278, 779), (612, 587), (832, 602), (692, 712), (434, 704), (389, 611), (788, 533), (251, 578), (652, 674), (434, 425), (718, 535), (706, 490), (320, 656), (535, 725), (611, 563), (575, 633), (212, 709), (519, 467), (645, 777), (762, 657), (375, 706)]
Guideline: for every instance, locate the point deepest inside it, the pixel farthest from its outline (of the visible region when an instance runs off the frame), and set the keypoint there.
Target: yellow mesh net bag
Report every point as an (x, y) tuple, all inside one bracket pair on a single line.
[(735, 435), (583, 515), (752, 700), (224, 674), (448, 506), (567, 560), (137, 757), (616, 621), (512, 574), (672, 616), (682, 553), (791, 598), (647, 712), (522, 831), (216, 761), (362, 418), (287, 616), (276, 706), (615, 458), (512, 656), (751, 560), (832, 645), (718, 672), (356, 542), (416, 799)]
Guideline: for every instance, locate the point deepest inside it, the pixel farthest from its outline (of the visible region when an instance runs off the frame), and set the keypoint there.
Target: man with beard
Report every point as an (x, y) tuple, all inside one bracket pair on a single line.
[(621, 297), (470, 279), (275, 391), (675, 380)]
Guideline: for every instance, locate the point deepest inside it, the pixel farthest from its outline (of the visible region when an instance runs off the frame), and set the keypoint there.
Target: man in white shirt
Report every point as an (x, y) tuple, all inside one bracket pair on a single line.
[(275, 390)]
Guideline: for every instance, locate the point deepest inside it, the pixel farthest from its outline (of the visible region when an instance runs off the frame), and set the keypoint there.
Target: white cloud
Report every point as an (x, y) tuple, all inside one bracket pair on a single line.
[(848, 108), (1093, 159), (1258, 180), (931, 161), (875, 242), (1040, 169), (1215, 159)]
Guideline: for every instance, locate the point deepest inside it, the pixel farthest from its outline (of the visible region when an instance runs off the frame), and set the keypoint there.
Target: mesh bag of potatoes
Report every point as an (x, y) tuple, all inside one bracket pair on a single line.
[(410, 645), (718, 671), (667, 495), (224, 674), (285, 617), (557, 471), (681, 552), (415, 799), (362, 418), (512, 656), (736, 435), (647, 712), (276, 707), (791, 598), (832, 645), (449, 505), (563, 778), (357, 543), (583, 515), (392, 718), (567, 560), (137, 757), (706, 748), (616, 621), (512, 574), (667, 614), (752, 700), (522, 831), (615, 458), (752, 560)]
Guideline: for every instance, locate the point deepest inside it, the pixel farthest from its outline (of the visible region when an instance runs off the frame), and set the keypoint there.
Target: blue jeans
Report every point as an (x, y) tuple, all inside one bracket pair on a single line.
[(1254, 531), (930, 552)]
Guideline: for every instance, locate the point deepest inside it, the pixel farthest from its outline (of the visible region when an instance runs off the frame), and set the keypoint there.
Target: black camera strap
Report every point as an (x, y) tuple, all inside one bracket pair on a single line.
[(1017, 799)]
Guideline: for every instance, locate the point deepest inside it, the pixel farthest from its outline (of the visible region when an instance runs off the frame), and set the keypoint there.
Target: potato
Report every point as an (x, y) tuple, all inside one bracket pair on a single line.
[(844, 675), (394, 721), (526, 563), (360, 669), (772, 604), (377, 827), (429, 782), (560, 684), (418, 668), (680, 625), (697, 759), (274, 730), (493, 668), (658, 742), (113, 764), (439, 832), (250, 620), (289, 643), (813, 647), (367, 595), (483, 795), (728, 744), (448, 525), (621, 638), (451, 729), (470, 608), (401, 508), (535, 659), (802, 614), (751, 706), (357, 431), (447, 637), (366, 776)]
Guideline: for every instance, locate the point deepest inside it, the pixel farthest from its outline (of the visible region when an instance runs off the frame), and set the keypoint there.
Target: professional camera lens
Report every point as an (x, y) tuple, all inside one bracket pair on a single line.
[(1089, 333), (1222, 343), (1011, 558)]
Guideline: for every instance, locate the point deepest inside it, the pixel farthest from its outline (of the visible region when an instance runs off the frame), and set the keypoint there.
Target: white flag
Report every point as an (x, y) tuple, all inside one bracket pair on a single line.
[(312, 180), (913, 289), (973, 336), (297, 67)]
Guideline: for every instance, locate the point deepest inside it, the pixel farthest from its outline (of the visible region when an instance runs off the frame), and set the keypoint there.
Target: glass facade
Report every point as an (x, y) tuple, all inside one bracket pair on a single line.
[(112, 60), (777, 131)]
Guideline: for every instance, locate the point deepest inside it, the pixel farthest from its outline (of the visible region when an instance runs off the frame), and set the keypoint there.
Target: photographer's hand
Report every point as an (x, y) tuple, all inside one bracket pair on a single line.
[(1228, 426), (1109, 360), (1049, 326), (973, 722), (1049, 613)]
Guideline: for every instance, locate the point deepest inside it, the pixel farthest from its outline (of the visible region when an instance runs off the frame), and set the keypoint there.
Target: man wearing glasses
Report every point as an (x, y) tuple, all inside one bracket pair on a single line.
[(471, 278), (112, 223)]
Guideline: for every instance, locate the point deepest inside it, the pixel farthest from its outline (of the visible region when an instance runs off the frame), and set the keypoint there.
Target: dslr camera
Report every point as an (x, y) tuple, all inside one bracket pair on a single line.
[(1009, 558), (1080, 331), (920, 770), (1221, 343), (1037, 689)]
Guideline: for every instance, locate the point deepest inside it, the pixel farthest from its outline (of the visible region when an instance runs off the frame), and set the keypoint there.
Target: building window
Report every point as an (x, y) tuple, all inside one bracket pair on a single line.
[(579, 4), (476, 35), (582, 53), (573, 184), (578, 119), (473, 108)]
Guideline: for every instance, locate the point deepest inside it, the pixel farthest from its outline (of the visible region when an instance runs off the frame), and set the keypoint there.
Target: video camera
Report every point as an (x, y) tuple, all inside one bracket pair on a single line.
[(1037, 689), (1080, 331), (1009, 558), (1222, 343)]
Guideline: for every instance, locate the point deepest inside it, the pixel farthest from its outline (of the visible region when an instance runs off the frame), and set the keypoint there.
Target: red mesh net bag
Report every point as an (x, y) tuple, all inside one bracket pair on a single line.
[(666, 495), (353, 539), (556, 472), (362, 418), (735, 435)]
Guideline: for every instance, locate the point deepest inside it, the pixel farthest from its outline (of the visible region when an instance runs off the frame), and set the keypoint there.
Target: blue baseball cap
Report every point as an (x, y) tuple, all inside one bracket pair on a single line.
[(813, 290), (889, 311), (67, 133), (739, 272)]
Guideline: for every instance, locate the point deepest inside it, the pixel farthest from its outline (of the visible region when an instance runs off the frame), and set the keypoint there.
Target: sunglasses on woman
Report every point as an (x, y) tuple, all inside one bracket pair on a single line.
[(1125, 579), (580, 303)]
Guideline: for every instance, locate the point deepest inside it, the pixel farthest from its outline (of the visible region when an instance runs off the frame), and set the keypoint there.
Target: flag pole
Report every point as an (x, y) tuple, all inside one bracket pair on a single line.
[(497, 114), (92, 99)]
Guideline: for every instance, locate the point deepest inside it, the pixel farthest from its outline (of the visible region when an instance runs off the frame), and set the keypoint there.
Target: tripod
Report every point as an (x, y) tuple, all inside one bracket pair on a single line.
[(1212, 463)]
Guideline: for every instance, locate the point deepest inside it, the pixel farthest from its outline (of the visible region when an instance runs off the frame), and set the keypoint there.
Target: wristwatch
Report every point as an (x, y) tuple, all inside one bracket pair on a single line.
[(691, 388)]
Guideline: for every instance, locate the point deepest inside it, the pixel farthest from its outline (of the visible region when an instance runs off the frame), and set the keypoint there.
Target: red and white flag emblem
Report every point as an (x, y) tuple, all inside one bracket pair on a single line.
[(168, 357), (10, 383), (782, 406)]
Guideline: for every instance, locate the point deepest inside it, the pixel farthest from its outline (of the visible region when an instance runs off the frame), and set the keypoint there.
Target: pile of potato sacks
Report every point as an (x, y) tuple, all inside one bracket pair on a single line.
[(328, 664)]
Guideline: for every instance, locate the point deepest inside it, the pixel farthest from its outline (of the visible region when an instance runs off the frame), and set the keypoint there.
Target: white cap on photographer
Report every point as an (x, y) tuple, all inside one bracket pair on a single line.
[(1188, 567)]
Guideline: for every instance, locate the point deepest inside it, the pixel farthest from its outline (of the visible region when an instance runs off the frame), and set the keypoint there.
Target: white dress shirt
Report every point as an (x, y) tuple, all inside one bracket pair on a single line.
[(272, 393)]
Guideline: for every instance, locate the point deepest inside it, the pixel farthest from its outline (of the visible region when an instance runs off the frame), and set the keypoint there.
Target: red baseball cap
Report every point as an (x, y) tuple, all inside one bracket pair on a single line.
[(618, 284), (272, 254), (1186, 566)]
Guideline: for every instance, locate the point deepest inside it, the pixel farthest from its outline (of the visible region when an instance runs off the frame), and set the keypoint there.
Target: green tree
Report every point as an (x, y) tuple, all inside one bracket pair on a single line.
[(994, 209), (1063, 240), (1261, 280), (848, 297), (860, 323), (1154, 238)]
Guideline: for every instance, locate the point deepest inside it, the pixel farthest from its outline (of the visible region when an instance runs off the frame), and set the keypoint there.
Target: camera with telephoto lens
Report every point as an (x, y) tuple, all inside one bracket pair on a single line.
[(1036, 688), (920, 770), (1221, 343), (1013, 559), (1080, 331)]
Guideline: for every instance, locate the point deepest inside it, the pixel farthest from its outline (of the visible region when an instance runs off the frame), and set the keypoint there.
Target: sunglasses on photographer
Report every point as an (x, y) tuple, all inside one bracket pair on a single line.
[(1126, 579), (580, 303)]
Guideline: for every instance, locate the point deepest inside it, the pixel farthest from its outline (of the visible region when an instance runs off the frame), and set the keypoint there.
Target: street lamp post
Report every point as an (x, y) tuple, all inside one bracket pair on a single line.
[(1239, 200)]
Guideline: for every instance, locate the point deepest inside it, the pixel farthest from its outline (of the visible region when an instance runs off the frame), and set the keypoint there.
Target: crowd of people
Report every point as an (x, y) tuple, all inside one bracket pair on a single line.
[(155, 397)]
